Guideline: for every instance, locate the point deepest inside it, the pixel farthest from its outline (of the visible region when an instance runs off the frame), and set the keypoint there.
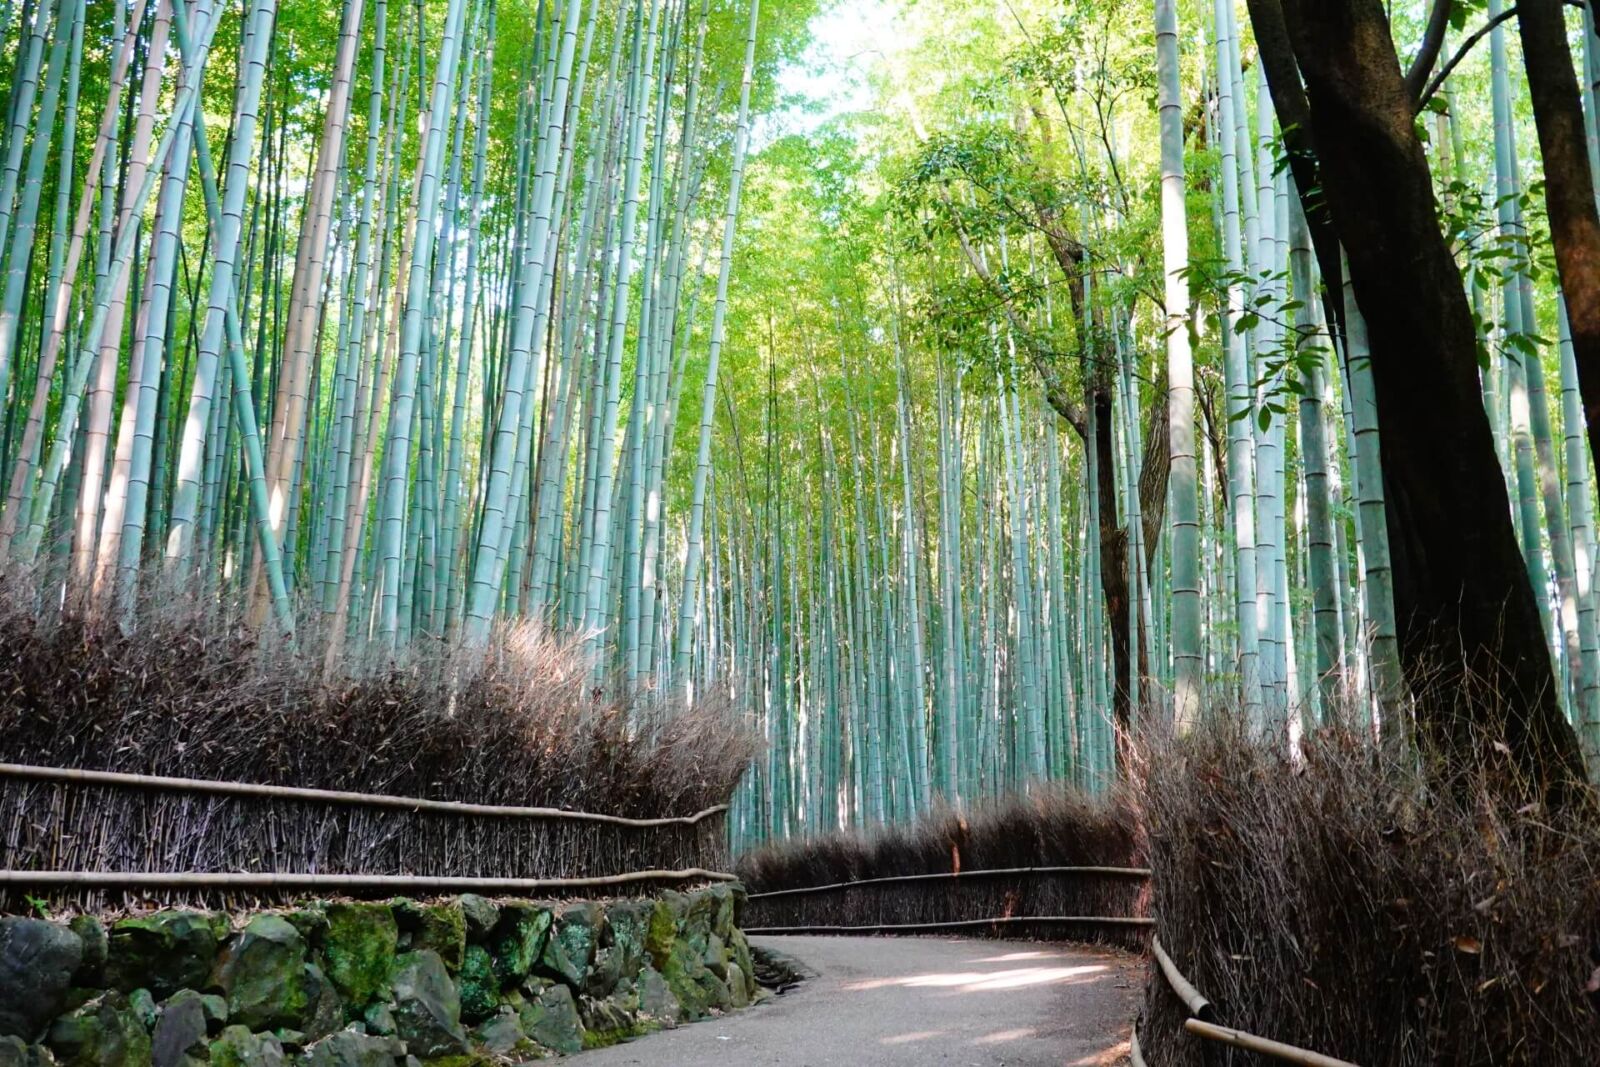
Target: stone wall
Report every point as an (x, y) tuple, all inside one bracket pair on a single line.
[(446, 983)]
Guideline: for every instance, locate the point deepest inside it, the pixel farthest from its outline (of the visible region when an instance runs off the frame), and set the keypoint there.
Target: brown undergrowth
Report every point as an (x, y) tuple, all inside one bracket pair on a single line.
[(1054, 826), (190, 692), (1376, 906)]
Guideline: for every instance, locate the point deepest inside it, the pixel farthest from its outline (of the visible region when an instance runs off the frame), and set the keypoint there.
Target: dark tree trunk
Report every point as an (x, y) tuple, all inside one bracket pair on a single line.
[(1469, 625), (1568, 188), (1113, 554)]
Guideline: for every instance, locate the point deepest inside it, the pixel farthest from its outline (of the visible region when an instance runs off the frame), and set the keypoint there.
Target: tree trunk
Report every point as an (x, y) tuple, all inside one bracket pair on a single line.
[(1468, 620), (1568, 188)]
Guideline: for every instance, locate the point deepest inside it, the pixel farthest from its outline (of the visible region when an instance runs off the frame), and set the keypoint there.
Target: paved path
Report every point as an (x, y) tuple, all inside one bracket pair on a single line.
[(887, 1001)]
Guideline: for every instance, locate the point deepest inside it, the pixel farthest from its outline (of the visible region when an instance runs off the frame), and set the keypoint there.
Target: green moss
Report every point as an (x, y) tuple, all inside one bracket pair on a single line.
[(593, 1039), (359, 950), (660, 934), (441, 927), (480, 987), (518, 940)]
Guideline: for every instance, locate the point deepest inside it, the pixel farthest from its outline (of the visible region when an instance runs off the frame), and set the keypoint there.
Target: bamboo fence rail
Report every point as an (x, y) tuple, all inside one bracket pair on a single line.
[(1202, 1023), (335, 796)]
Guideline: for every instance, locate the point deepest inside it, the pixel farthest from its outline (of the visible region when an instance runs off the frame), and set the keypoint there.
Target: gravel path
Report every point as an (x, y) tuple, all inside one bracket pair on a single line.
[(887, 1001)]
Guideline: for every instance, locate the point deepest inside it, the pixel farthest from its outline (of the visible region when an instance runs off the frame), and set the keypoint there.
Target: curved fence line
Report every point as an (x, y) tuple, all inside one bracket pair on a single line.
[(1004, 920), (995, 872), (1202, 1023), (334, 796), (294, 880)]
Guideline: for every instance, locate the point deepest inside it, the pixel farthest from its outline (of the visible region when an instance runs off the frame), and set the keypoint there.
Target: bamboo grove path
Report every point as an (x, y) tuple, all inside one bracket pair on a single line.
[(875, 1002)]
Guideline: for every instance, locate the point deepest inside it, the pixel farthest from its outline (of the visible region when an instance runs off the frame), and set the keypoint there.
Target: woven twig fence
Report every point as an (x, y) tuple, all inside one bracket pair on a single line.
[(1085, 903), (72, 821)]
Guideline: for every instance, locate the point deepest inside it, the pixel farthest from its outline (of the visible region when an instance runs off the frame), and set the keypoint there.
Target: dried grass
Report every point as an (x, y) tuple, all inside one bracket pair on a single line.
[(1388, 911), (190, 692), (1052, 827)]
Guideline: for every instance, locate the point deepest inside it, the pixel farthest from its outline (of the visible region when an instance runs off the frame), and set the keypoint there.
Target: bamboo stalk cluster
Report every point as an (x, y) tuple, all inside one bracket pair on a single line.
[(396, 369)]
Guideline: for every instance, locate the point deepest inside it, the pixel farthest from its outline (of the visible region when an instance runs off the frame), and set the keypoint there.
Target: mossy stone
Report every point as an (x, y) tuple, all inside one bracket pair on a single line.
[(265, 976), (559, 1027), (164, 952), (607, 1022), (427, 1006), (358, 950), (92, 934), (238, 1047), (627, 923), (656, 998), (578, 930), (212, 1007), (180, 1038), (518, 940), (106, 1032), (660, 934), (479, 985), (37, 962), (15, 1052), (500, 1034), (482, 915), (441, 927), (347, 1048)]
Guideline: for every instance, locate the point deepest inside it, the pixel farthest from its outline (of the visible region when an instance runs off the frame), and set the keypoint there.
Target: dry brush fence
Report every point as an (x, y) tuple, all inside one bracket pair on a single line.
[(94, 836), (443, 762), (1052, 865)]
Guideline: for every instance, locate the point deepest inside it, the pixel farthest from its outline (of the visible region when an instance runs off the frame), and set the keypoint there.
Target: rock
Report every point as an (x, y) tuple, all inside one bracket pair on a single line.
[(501, 1034), (481, 915), (427, 1008), (441, 927), (106, 1032), (480, 986), (14, 1052), (238, 1047), (739, 947), (627, 923), (266, 978), (559, 1028), (212, 1007), (180, 1037), (358, 950), (660, 934), (738, 987), (605, 1022), (347, 1048), (37, 962), (519, 940), (328, 1014), (715, 957), (604, 974), (92, 932), (578, 931), (311, 921), (380, 1020), (728, 907), (697, 989), (143, 1006), (656, 999), (164, 952)]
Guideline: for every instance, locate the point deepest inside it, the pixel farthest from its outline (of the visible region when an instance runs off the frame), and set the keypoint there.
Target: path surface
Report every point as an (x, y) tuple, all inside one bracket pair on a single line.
[(890, 1001)]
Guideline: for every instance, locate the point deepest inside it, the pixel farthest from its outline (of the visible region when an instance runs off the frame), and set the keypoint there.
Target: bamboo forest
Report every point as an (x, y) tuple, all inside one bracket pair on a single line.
[(1160, 417)]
